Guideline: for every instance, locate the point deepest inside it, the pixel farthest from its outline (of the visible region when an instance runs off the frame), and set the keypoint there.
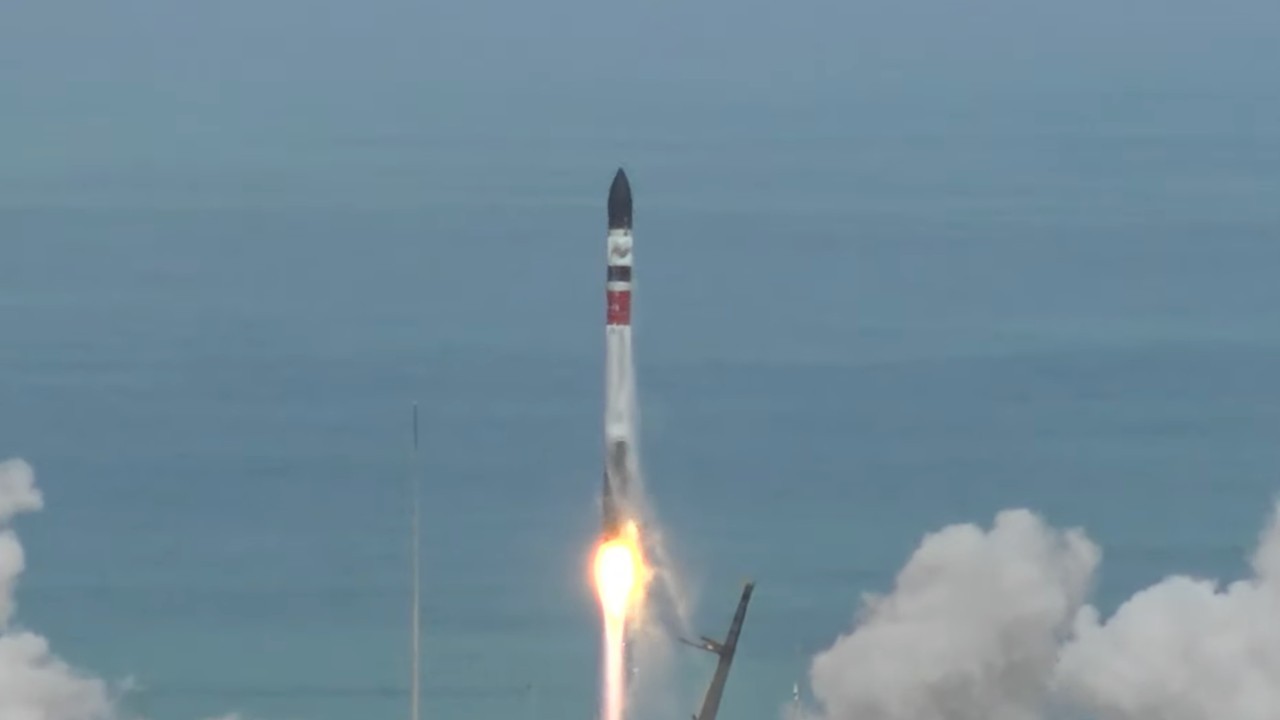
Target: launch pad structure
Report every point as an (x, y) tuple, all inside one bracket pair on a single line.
[(725, 651)]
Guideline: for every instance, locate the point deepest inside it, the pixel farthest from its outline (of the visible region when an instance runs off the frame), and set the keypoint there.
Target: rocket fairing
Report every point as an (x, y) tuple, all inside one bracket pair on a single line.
[(619, 378), (620, 202)]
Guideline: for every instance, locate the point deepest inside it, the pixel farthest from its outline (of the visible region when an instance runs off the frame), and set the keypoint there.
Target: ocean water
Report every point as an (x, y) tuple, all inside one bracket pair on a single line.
[(862, 314)]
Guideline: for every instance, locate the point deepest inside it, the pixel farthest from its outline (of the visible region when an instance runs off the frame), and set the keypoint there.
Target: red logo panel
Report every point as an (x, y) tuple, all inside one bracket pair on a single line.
[(619, 307)]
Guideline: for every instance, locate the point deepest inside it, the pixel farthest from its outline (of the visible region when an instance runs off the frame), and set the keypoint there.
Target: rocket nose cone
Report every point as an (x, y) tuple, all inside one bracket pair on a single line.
[(620, 202)]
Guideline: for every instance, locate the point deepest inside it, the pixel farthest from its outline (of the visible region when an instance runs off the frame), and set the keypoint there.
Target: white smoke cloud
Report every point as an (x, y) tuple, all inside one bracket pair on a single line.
[(34, 683), (971, 631), (993, 626), (18, 494), (1183, 649)]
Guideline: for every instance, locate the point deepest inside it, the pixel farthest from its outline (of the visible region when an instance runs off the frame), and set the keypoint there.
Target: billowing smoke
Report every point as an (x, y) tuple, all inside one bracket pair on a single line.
[(971, 631), (34, 683), (992, 625), (17, 495), (1183, 649)]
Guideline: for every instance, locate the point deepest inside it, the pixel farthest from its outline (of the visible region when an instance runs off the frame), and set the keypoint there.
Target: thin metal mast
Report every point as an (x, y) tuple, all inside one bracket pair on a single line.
[(415, 681)]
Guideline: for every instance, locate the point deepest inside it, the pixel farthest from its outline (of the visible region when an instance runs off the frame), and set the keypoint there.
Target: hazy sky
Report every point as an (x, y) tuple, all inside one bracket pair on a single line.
[(56, 51), (261, 89)]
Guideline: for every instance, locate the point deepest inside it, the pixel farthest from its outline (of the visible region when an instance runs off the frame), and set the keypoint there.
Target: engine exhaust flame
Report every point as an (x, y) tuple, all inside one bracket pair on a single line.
[(621, 577)]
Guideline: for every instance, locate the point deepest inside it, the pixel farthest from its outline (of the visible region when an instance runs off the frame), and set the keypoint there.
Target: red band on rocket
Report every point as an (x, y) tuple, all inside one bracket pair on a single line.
[(619, 307)]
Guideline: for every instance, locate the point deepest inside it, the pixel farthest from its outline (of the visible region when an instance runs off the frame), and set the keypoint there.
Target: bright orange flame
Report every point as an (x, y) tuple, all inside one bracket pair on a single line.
[(615, 577), (621, 577), (621, 573)]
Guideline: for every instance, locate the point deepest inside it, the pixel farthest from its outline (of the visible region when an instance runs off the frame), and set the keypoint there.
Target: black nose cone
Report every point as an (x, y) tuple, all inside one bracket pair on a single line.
[(620, 202)]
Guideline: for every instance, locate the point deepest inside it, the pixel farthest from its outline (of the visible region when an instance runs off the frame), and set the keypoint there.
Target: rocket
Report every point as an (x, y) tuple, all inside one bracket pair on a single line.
[(619, 410)]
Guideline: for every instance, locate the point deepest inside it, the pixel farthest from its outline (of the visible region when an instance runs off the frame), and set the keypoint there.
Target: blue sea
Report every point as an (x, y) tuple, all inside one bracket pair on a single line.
[(878, 292)]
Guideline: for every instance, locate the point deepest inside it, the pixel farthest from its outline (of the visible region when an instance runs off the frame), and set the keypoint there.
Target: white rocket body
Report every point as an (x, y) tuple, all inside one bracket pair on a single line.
[(619, 379)]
